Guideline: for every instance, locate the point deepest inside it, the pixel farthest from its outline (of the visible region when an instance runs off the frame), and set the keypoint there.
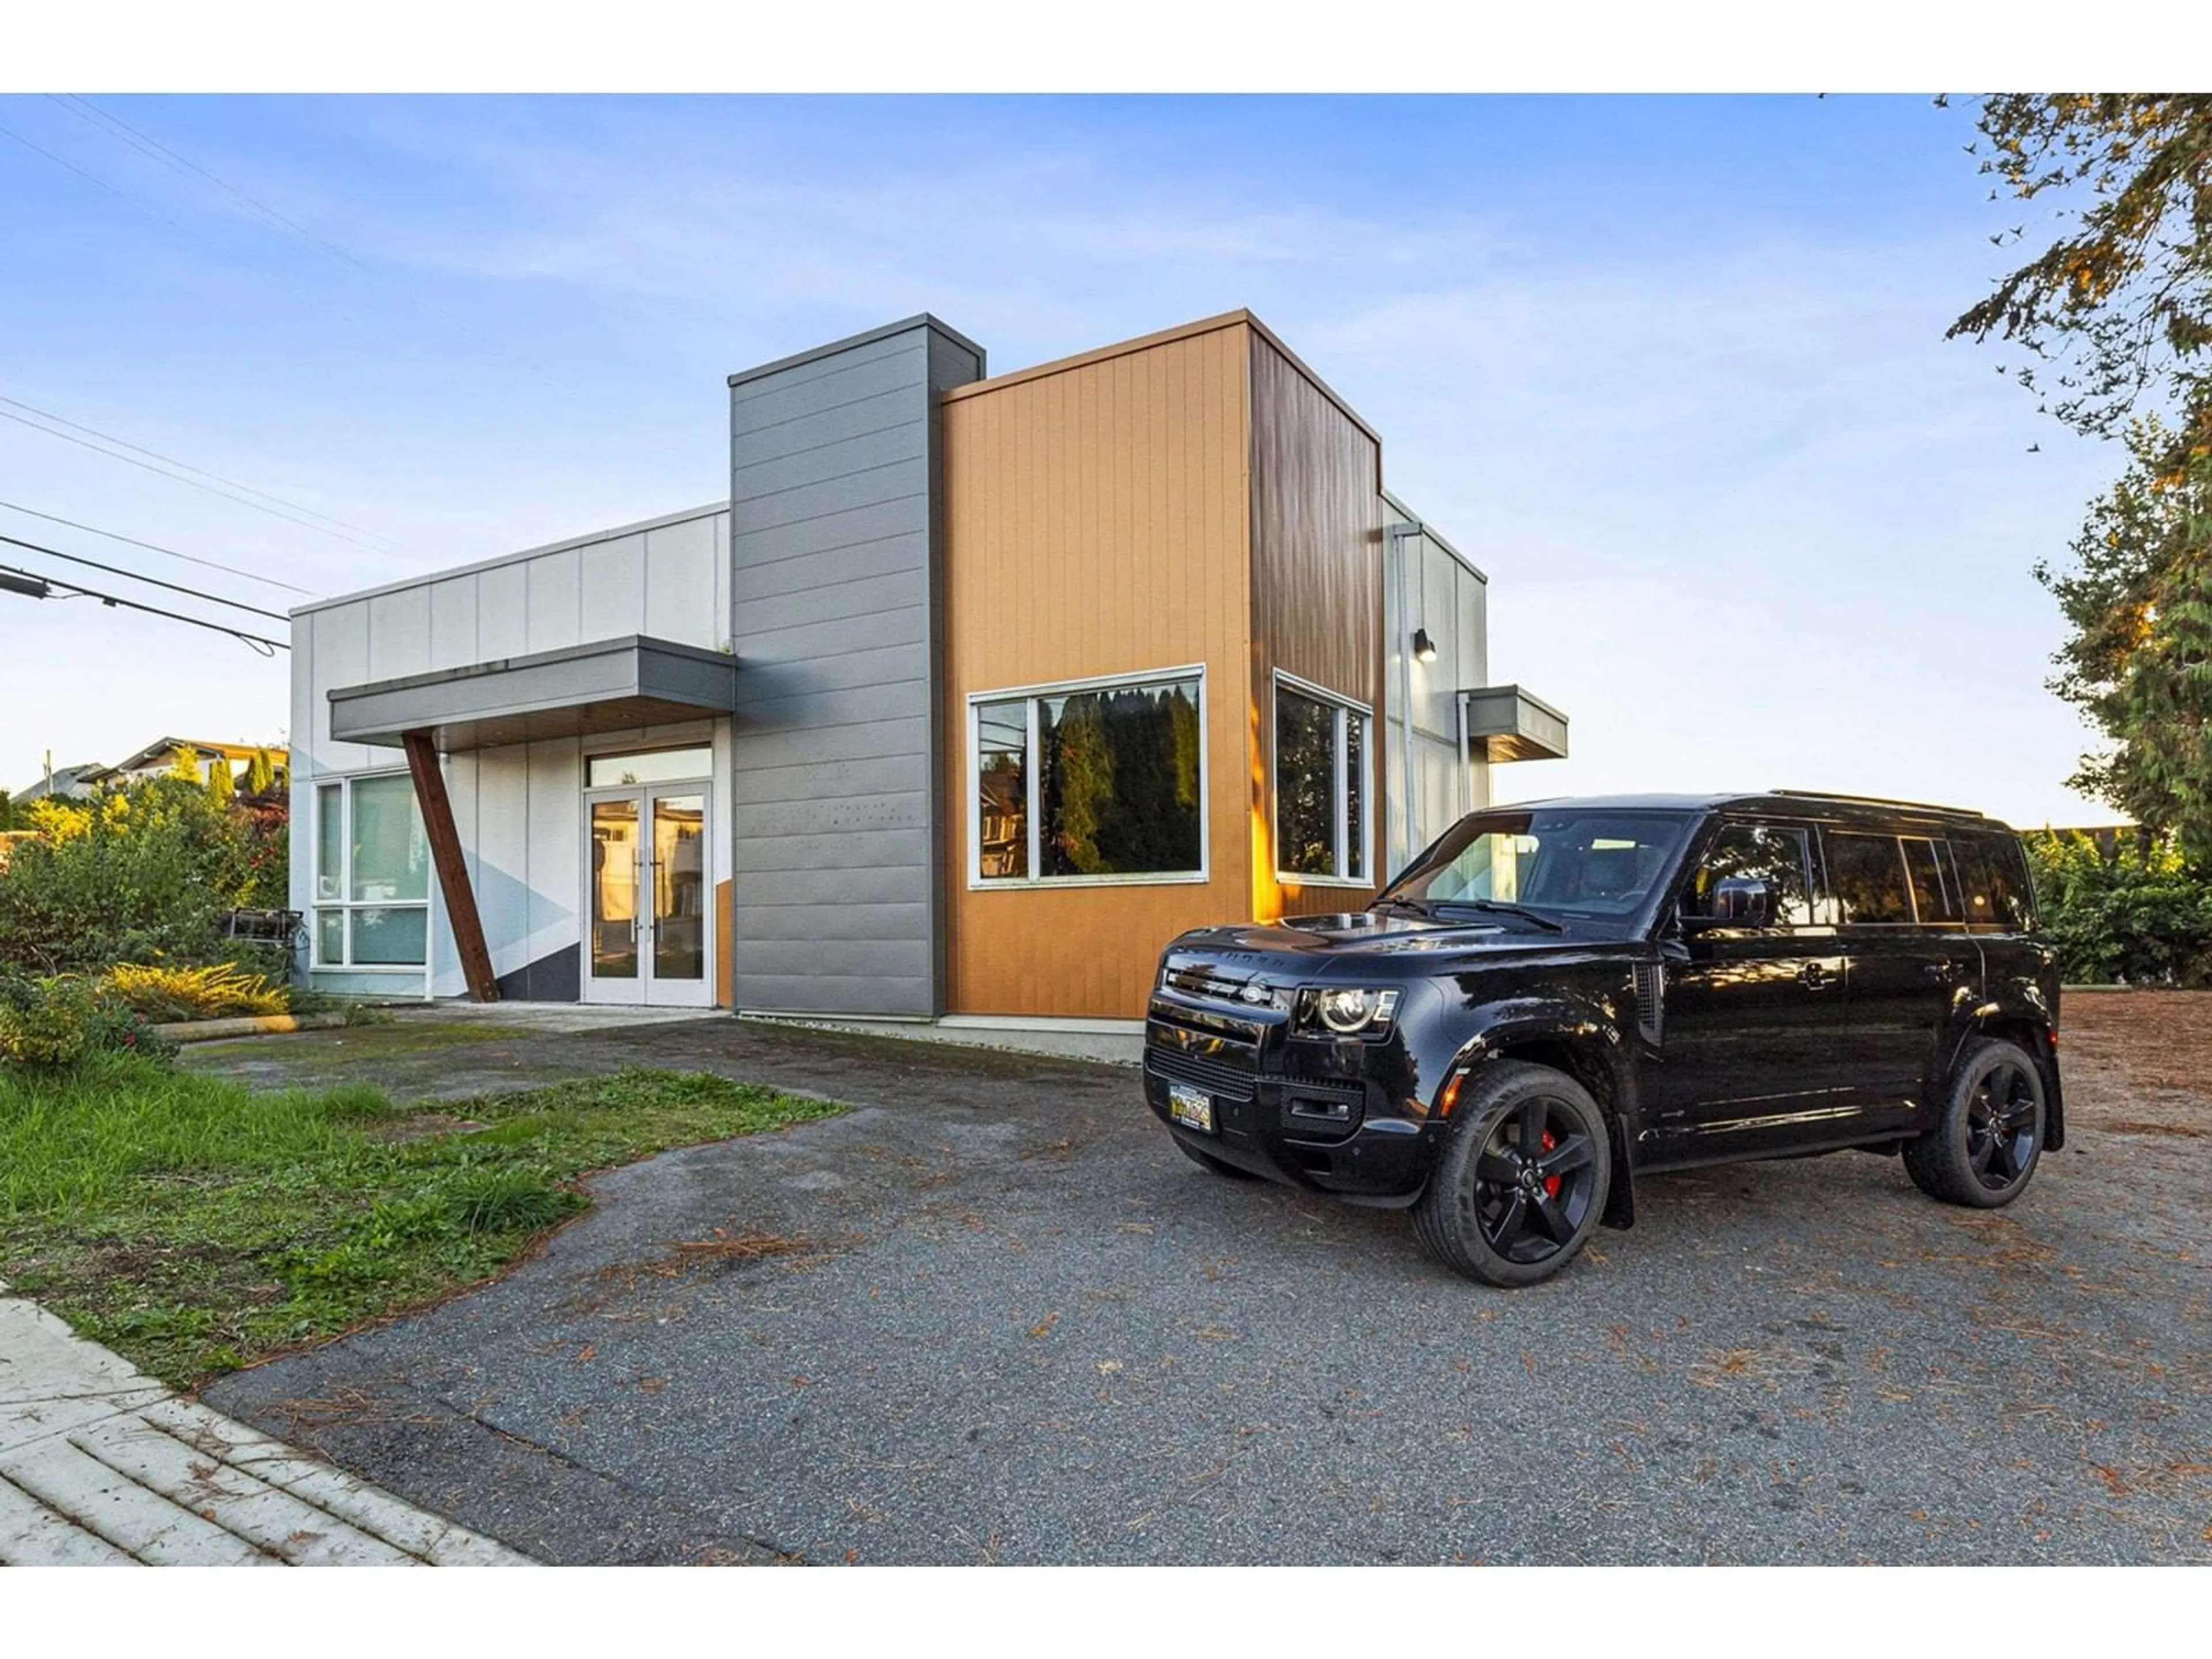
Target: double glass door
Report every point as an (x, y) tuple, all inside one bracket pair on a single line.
[(649, 898)]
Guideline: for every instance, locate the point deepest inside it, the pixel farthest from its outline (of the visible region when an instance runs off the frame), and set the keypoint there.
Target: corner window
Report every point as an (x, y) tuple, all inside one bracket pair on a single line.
[(1089, 783), (372, 874), (1321, 790)]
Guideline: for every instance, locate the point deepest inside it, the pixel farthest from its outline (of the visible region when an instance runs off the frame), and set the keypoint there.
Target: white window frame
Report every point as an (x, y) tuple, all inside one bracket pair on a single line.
[(1029, 694), (317, 904), (1347, 709)]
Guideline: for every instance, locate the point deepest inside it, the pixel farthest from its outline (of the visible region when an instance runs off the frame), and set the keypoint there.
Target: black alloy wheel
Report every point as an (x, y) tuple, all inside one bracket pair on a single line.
[(2004, 1120), (1532, 1181), (1522, 1181), (1986, 1142)]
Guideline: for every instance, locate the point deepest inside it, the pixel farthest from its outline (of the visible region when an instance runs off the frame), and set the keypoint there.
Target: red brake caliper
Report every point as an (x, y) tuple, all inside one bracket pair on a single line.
[(1550, 1183)]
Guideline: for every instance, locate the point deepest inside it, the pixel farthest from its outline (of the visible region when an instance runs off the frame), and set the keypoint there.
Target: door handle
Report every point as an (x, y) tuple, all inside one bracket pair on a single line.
[(1816, 977)]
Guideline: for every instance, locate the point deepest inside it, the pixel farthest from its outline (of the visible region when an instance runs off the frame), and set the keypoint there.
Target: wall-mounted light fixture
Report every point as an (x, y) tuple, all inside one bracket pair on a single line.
[(1425, 648)]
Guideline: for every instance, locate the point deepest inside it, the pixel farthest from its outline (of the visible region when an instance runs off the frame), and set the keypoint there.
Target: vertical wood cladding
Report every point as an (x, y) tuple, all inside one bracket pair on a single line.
[(1316, 586), (1097, 522)]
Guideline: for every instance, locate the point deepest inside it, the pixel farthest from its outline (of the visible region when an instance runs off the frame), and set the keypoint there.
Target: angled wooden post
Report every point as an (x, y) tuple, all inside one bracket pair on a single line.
[(452, 868)]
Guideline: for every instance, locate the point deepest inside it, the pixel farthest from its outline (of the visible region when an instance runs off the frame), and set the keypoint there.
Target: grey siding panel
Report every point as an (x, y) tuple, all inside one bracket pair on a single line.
[(831, 602), (895, 348), (889, 410), (897, 480), (885, 775), (853, 921), (905, 958), (798, 545), (834, 553), (764, 755), (831, 993), (817, 897)]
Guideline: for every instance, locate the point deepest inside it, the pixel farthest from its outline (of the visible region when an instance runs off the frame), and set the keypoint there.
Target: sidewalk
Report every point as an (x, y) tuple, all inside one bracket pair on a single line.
[(102, 1465)]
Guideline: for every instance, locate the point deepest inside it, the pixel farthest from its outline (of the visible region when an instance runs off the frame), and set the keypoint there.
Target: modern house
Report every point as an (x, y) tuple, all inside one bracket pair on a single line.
[(972, 692)]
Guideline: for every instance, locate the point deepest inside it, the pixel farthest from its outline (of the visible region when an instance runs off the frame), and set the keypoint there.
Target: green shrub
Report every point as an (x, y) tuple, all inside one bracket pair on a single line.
[(2139, 917), (142, 875), (50, 1023)]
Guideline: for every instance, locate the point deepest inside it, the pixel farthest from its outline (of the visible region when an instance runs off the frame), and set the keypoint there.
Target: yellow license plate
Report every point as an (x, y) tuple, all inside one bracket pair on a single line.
[(1192, 1108)]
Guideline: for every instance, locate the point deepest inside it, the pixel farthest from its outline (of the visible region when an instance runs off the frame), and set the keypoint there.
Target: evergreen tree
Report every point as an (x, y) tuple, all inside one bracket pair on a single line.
[(2119, 307)]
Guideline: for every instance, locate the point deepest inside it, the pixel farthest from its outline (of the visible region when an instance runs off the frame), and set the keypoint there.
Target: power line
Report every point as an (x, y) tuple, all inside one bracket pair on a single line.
[(86, 110), (179, 477), (155, 547), (150, 581), (266, 646)]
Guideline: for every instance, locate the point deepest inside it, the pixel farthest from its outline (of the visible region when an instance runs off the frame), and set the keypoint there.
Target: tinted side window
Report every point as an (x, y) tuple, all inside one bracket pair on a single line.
[(1746, 854), (1993, 873), (1932, 899), (1867, 874)]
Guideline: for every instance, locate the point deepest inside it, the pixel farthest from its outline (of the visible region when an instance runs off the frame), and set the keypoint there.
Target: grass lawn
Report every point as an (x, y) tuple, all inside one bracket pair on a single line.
[(195, 1225)]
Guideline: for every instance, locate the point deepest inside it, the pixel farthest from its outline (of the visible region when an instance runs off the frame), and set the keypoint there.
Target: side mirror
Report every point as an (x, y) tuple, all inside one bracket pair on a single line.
[(1737, 901)]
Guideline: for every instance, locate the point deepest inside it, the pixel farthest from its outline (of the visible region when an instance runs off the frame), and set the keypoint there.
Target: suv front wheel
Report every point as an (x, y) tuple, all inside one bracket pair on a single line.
[(1984, 1146), (1522, 1180)]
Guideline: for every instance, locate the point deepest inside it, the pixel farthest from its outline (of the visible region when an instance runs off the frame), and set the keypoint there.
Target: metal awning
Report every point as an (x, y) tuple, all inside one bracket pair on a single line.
[(606, 685), (1504, 723)]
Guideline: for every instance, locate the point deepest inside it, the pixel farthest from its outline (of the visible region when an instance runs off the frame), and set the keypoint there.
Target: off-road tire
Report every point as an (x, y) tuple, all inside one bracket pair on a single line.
[(1207, 1161), (1963, 1160), (1467, 1215)]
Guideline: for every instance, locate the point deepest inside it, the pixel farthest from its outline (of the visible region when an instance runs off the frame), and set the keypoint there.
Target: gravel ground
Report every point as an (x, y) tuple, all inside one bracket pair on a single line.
[(992, 1316)]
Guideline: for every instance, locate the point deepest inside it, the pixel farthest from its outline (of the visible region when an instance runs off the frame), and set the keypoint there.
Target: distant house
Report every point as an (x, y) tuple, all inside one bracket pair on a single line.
[(158, 757), (62, 783)]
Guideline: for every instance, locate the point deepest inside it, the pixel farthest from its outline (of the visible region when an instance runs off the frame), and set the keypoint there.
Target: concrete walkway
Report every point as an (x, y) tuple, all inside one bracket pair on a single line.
[(102, 1465)]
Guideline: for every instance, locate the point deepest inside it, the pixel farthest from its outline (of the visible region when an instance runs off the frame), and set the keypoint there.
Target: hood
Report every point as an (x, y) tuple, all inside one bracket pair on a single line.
[(1369, 942)]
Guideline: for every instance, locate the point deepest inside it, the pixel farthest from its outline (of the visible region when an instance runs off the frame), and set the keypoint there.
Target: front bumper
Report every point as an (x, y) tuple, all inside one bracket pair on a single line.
[(1311, 1113)]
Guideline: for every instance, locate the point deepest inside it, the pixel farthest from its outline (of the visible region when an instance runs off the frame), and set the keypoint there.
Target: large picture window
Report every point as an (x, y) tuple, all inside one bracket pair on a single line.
[(1097, 782), (372, 874), (1322, 746)]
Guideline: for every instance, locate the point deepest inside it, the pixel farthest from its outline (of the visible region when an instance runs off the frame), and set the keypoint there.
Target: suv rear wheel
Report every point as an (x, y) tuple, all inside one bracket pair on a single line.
[(1522, 1178), (1984, 1146)]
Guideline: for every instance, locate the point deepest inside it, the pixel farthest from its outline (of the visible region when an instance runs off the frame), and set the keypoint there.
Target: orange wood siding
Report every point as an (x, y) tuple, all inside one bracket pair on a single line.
[(1317, 592), (1097, 523)]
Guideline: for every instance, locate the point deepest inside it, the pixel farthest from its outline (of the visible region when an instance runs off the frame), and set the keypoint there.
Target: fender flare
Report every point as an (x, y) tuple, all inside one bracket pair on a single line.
[(1593, 1038)]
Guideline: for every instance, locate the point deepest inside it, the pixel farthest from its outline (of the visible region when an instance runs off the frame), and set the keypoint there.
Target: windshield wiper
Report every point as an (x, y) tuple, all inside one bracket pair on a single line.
[(1502, 909), (1410, 907)]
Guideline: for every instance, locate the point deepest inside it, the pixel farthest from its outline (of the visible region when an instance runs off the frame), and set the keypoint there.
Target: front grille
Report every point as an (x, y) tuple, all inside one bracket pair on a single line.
[(1199, 981), (1215, 1075)]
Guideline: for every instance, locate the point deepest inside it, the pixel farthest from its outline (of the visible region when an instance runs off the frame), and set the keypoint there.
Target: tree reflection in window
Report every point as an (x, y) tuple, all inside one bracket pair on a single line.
[(1320, 777), (1116, 788), (1119, 782)]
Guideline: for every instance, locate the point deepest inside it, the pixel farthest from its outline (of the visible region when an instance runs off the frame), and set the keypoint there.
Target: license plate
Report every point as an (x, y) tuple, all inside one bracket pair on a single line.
[(1192, 1108)]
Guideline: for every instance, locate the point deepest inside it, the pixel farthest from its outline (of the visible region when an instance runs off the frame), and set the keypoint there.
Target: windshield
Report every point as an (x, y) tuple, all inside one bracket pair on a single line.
[(1565, 861)]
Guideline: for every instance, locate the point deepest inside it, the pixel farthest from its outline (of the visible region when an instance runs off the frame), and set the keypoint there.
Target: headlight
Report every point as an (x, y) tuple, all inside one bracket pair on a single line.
[(1351, 1011)]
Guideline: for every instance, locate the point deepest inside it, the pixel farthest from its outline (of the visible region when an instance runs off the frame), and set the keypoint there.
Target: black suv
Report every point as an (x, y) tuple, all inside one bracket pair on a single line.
[(1558, 996)]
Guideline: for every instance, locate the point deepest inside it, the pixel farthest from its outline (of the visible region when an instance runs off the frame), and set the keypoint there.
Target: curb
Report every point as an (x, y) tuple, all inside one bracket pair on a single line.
[(207, 1030)]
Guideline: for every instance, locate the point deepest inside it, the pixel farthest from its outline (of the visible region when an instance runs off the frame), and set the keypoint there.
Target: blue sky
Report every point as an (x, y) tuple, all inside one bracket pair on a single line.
[(1671, 370)]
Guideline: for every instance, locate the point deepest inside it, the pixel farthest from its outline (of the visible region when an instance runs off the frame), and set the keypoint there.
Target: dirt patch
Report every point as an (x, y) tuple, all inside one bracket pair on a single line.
[(2136, 1062)]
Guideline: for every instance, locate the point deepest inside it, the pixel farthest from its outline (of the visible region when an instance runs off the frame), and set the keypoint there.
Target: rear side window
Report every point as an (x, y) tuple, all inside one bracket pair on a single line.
[(1932, 898), (1867, 874), (1993, 875)]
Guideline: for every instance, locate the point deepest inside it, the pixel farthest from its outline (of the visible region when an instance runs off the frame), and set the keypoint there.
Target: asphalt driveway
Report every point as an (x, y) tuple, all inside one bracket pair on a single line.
[(990, 1314)]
